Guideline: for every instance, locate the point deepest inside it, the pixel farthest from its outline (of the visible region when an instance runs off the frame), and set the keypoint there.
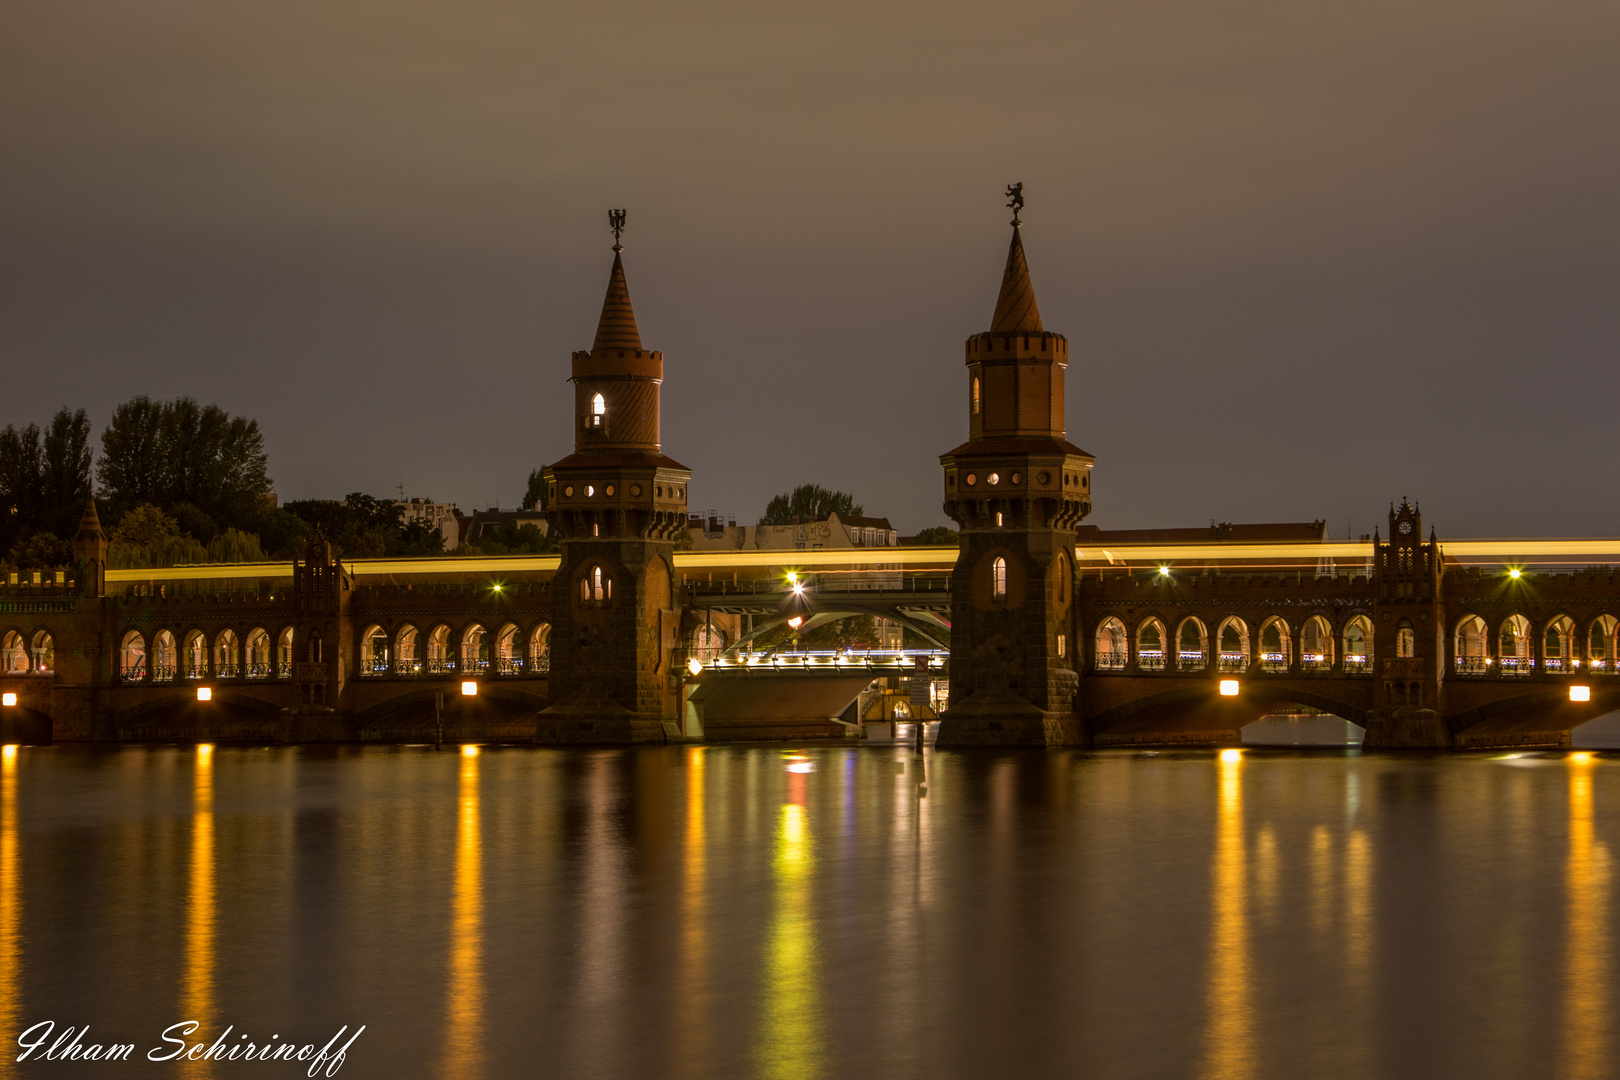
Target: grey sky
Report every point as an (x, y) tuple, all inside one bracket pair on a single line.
[(1310, 257)]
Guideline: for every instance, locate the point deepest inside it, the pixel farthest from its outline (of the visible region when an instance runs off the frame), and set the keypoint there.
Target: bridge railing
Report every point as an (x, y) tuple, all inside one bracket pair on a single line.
[(775, 586), (893, 660), (1110, 661)]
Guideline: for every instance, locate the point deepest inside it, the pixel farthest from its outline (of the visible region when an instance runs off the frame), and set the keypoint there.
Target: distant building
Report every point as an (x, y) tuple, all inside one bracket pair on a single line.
[(484, 524), (440, 516), (708, 534)]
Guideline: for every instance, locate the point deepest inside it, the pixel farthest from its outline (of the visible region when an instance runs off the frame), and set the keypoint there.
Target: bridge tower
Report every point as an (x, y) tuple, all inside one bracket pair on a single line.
[(617, 505), (1016, 489), (323, 651), (1409, 637)]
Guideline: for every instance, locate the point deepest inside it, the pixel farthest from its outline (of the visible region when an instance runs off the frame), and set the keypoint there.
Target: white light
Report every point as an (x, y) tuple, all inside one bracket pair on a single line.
[(792, 577), (469, 689), (1229, 688), (798, 589), (1164, 571), (1515, 572), (795, 621), (8, 700), (801, 767), (695, 666), (204, 693), (469, 750), (1580, 693), (1229, 756)]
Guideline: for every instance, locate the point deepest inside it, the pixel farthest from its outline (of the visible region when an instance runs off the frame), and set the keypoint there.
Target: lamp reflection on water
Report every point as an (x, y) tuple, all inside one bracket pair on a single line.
[(197, 979), (10, 902), (1229, 1037), (790, 1028), (1586, 964), (464, 985), (693, 998)]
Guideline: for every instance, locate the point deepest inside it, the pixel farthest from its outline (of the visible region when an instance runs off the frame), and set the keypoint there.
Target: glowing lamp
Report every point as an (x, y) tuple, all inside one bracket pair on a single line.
[(9, 700), (497, 588), (205, 693), (1515, 573), (1580, 693), (798, 589), (801, 767), (1229, 756), (695, 666), (1229, 688), (796, 621), (793, 578), (1164, 571), (469, 750), (8, 751), (1583, 757), (469, 689)]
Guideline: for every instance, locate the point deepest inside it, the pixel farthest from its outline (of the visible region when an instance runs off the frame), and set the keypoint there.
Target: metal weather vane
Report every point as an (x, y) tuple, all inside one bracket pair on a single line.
[(616, 223), (1015, 199)]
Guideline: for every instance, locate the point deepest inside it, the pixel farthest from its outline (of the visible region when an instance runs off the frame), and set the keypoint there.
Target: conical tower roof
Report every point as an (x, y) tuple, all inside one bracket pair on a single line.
[(617, 327), (1016, 310), (89, 523)]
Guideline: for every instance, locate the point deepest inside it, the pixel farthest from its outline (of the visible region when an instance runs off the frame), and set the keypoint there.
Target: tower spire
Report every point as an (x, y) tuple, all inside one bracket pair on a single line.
[(1016, 310), (617, 327)]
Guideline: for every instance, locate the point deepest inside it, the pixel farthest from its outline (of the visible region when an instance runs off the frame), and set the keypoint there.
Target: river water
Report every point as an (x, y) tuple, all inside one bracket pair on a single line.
[(869, 911)]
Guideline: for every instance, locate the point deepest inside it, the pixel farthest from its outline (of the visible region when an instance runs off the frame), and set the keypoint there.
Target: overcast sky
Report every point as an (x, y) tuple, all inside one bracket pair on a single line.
[(1310, 257)]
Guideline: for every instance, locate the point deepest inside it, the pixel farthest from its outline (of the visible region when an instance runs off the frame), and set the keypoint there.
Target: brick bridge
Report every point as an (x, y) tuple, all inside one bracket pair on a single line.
[(1058, 634)]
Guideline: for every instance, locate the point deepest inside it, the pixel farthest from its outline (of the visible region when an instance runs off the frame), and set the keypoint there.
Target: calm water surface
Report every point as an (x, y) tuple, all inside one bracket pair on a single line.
[(861, 912)]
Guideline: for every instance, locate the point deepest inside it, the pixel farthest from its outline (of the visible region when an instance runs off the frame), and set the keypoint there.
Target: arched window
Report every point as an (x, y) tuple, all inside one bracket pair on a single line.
[(975, 395), (1600, 643), (438, 650), (313, 653), (1358, 644), (596, 587), (1557, 645), (405, 659), (1191, 642), (225, 665), (284, 654), (1150, 646), (540, 649), (1276, 645), (258, 653), (1233, 641), (598, 410), (1316, 644), (998, 577), (1405, 640), (13, 654), (1468, 646), (374, 651), (474, 650), (508, 656), (132, 657), (1513, 645), (194, 657), (1111, 651), (163, 657)]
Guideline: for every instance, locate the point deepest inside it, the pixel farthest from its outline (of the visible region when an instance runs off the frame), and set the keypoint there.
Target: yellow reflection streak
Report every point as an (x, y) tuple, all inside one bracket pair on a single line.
[(1586, 964), (1321, 881), (694, 911), (1229, 1040), (1358, 928), (197, 980), (10, 903), (464, 990), (790, 1044)]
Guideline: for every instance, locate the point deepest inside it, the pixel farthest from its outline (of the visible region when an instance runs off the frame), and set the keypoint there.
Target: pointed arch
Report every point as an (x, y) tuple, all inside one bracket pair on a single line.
[(406, 659), (1357, 641), (165, 657), (1276, 645), (257, 654), (132, 657), (1316, 644), (1151, 644), (1558, 645), (1601, 643), (226, 665), (1232, 642), (194, 656), (373, 651), (1111, 651), (539, 658), (1513, 646)]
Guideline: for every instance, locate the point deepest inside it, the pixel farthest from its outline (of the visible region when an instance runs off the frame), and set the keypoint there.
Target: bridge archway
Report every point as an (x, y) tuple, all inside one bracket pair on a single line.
[(1276, 644), (1601, 643), (499, 712), (132, 657), (1192, 644), (1357, 641), (1526, 718), (165, 657), (1197, 713), (816, 615), (230, 715), (257, 654)]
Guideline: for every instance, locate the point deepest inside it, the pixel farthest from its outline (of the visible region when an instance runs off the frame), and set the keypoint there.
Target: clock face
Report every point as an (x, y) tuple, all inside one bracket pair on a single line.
[(1406, 527)]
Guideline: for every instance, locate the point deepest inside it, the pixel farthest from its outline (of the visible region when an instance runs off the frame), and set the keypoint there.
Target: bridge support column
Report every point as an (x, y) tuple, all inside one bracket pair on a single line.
[(1402, 728)]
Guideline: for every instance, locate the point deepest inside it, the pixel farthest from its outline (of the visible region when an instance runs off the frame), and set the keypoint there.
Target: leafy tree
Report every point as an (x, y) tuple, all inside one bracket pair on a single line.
[(937, 536), (234, 545), (41, 551), (173, 452), (144, 526), (364, 527), (809, 502), (535, 497), (511, 540), (44, 477)]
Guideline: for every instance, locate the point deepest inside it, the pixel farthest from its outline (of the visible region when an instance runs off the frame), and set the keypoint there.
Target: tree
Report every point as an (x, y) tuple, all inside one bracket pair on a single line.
[(41, 551), (144, 526), (535, 497), (173, 452), (937, 536), (65, 472), (362, 526), (809, 502)]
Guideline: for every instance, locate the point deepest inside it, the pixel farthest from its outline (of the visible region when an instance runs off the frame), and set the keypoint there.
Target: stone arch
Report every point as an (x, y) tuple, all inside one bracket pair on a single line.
[(256, 654), (1180, 706), (472, 649), (1152, 644), (1357, 642), (42, 652), (1316, 644), (595, 586), (1470, 648), (707, 642), (1192, 644), (1232, 643), (538, 660), (284, 647), (225, 662), (406, 658), (1601, 643), (1276, 644), (1111, 648), (1558, 644), (132, 657), (998, 578), (165, 662), (438, 651), (1513, 646), (14, 654), (373, 651), (507, 657), (194, 655)]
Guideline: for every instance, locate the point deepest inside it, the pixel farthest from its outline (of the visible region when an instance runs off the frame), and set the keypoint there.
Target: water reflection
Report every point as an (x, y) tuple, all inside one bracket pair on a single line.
[(790, 1032), (693, 998), (464, 990), (1586, 964), (10, 902), (197, 978), (1229, 1039)]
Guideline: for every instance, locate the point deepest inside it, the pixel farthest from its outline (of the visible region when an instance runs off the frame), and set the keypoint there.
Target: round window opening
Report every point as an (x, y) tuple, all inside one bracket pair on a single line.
[(1045, 478), (635, 489), (972, 479), (608, 490), (994, 478), (1018, 478), (660, 490), (569, 490), (589, 491)]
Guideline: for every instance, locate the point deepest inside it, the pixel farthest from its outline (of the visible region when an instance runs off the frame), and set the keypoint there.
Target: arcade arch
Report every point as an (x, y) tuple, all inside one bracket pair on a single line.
[(474, 650), (284, 653), (225, 665), (539, 659), (1150, 642), (1192, 644), (1558, 645), (406, 661), (14, 654), (132, 657), (1601, 643), (165, 657), (1358, 637), (194, 656), (1111, 651), (1316, 644), (1513, 641), (1276, 645), (438, 650), (374, 651), (257, 654), (1232, 639), (43, 652), (1468, 646)]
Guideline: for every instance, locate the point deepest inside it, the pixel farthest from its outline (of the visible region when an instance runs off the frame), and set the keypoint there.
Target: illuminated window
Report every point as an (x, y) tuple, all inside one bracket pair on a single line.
[(1062, 646), (598, 406), (998, 519), (998, 576), (975, 395), (596, 586), (1405, 642)]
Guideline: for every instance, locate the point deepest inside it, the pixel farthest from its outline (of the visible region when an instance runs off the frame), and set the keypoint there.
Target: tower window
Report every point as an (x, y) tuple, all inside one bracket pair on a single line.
[(596, 587), (998, 519), (598, 410), (998, 576), (975, 395), (1405, 641)]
